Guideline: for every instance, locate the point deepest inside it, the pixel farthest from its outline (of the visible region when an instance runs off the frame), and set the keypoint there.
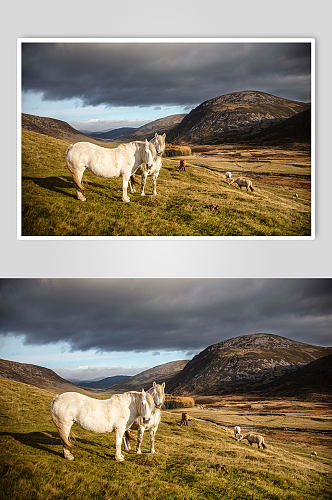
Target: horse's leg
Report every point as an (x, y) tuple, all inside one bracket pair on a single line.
[(140, 434), (118, 441), (132, 186), (152, 435), (126, 442), (125, 181), (154, 183), (143, 181)]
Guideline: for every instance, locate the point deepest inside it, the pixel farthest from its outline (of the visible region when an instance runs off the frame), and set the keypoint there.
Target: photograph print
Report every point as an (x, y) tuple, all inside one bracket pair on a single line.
[(168, 389), (191, 138)]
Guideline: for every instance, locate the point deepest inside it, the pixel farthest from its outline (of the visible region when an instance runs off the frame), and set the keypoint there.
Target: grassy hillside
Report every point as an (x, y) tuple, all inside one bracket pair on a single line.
[(32, 466), (36, 375), (195, 202)]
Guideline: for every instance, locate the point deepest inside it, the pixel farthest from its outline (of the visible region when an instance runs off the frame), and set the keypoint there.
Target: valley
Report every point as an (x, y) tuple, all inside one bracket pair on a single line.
[(265, 138), (184, 466)]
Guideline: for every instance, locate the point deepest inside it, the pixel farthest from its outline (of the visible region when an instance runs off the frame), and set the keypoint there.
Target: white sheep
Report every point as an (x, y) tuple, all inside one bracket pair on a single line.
[(253, 438), (243, 182), (237, 431), (228, 177)]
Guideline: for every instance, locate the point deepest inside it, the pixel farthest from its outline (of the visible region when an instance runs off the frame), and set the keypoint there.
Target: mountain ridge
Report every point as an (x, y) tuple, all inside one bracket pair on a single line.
[(232, 116), (243, 362), (160, 373), (52, 127), (161, 125), (35, 375)]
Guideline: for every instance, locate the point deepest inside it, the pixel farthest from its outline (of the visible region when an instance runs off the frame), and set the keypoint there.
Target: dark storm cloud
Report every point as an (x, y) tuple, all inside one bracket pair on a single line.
[(164, 74), (155, 315)]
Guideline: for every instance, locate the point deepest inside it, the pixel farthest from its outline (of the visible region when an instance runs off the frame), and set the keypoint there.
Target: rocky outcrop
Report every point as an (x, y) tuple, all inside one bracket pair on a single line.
[(233, 116), (241, 363)]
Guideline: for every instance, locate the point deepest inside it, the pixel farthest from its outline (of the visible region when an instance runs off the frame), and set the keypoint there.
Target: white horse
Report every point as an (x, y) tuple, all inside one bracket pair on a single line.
[(114, 414), (158, 395), (157, 146), (122, 161)]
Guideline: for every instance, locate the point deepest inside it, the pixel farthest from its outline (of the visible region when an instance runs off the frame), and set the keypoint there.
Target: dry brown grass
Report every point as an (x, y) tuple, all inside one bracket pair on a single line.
[(187, 401)]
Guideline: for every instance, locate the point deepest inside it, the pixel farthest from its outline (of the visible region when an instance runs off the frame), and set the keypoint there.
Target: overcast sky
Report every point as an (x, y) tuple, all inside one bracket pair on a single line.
[(100, 86), (88, 328)]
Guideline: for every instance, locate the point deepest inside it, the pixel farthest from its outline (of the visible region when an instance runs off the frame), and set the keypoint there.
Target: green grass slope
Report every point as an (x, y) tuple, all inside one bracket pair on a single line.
[(32, 467), (195, 203)]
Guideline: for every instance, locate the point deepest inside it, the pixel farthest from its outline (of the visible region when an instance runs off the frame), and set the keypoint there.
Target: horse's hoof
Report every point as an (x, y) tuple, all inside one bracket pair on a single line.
[(127, 200), (142, 194), (120, 459), (138, 452), (153, 451)]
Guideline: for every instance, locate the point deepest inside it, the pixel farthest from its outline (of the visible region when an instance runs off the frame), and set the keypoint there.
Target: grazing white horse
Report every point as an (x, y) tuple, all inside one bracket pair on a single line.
[(114, 414), (158, 395), (122, 161), (157, 146)]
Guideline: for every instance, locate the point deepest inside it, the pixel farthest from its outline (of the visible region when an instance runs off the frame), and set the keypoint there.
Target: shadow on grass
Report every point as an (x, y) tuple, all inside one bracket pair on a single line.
[(58, 184), (43, 440)]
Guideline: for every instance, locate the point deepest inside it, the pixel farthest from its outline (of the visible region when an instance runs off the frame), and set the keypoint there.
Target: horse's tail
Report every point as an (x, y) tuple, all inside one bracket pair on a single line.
[(72, 435), (62, 433), (78, 184), (129, 436), (77, 181)]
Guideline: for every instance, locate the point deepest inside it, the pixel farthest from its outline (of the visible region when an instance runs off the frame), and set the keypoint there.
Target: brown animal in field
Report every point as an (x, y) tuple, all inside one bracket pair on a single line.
[(182, 166), (185, 418), (243, 182)]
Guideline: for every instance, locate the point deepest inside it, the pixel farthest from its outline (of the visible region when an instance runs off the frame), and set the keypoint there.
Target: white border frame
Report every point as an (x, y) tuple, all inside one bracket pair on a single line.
[(20, 41)]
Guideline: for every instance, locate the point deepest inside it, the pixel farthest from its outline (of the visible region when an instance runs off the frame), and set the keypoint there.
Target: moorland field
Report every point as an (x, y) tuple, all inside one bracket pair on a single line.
[(184, 467), (197, 202)]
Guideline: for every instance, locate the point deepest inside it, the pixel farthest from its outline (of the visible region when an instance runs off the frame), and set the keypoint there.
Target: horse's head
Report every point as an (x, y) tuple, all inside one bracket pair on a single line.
[(148, 158), (160, 144), (158, 394), (144, 408)]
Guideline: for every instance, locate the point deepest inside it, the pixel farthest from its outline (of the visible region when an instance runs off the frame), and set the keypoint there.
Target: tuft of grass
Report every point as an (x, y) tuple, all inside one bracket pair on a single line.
[(182, 207), (32, 467)]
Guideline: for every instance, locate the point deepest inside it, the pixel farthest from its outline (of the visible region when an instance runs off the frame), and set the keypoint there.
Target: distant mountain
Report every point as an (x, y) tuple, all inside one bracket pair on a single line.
[(297, 129), (242, 363), (35, 375), (52, 127), (159, 374), (162, 125), (232, 116), (103, 383), (112, 134), (315, 377)]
